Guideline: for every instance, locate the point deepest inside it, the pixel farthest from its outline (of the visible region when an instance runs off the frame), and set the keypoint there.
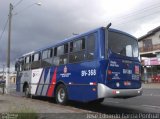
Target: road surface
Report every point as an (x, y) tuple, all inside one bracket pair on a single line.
[(149, 102)]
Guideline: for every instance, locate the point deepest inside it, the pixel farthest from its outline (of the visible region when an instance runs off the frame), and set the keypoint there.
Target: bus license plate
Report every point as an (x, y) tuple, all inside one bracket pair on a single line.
[(127, 83)]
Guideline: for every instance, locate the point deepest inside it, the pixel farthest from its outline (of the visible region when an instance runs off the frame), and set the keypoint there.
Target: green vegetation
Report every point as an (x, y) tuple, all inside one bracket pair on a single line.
[(23, 113), (2, 85)]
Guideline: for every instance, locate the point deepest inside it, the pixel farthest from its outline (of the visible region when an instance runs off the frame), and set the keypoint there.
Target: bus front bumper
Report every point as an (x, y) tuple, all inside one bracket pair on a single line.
[(104, 92)]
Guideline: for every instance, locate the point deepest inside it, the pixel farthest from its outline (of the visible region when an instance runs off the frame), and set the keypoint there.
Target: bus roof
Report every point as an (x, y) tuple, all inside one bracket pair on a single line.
[(76, 37), (62, 42), (121, 32)]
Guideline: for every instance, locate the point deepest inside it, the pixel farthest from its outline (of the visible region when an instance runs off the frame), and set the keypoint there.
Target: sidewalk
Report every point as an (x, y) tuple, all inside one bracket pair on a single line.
[(151, 85)]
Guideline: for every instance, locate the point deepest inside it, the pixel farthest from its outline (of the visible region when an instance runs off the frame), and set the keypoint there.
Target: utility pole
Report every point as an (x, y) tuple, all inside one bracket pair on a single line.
[(3, 72), (9, 47)]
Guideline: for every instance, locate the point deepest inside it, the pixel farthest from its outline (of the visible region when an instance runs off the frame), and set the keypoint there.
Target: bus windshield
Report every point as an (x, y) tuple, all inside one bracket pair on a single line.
[(122, 44)]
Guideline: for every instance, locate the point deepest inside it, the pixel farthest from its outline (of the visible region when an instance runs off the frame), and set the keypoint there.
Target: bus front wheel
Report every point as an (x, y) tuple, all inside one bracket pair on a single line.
[(26, 91), (61, 95)]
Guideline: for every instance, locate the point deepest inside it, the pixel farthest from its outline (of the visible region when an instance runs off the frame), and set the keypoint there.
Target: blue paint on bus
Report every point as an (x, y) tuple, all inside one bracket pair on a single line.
[(82, 78)]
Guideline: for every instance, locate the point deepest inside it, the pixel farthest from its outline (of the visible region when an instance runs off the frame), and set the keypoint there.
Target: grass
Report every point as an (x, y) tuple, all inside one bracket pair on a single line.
[(23, 113), (2, 85)]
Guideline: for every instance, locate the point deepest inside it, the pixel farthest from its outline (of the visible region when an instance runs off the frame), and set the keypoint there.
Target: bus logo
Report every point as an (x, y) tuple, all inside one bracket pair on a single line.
[(65, 72)]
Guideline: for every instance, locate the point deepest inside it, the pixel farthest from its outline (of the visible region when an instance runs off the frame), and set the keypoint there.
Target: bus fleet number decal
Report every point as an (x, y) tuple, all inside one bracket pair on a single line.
[(91, 72)]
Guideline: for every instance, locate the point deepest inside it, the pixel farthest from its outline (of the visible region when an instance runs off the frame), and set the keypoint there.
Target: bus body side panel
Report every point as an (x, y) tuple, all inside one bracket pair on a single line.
[(35, 78), (80, 80), (82, 83), (23, 77), (18, 81), (43, 81)]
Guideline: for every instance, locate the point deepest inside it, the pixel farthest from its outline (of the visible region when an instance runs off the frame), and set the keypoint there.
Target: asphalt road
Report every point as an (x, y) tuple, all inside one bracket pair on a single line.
[(149, 102)]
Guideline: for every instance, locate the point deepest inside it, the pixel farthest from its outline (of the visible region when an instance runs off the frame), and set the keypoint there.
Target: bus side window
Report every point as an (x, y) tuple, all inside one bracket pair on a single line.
[(55, 51), (66, 48), (17, 66), (22, 64), (55, 58), (77, 45), (35, 61), (27, 62), (50, 53), (71, 46), (83, 43), (46, 58), (91, 46), (20, 67), (62, 52), (44, 54), (32, 58), (78, 53)]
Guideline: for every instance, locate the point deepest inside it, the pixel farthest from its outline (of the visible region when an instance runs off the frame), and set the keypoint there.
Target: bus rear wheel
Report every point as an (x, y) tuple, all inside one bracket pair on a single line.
[(61, 95)]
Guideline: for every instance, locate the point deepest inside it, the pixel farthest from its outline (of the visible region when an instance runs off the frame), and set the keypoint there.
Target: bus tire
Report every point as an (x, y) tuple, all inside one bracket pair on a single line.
[(61, 95), (26, 91)]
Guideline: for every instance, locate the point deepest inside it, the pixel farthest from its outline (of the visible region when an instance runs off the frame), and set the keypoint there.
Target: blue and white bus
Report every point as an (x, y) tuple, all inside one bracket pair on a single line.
[(88, 67)]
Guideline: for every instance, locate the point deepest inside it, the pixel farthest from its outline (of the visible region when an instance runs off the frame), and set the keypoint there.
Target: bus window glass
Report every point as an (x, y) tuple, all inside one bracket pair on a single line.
[(60, 50), (56, 61), (46, 58), (91, 47), (32, 58), (71, 47), (66, 48), (55, 51), (91, 42), (50, 53), (20, 67), (27, 59), (123, 44), (36, 61), (36, 57), (129, 50), (83, 44), (45, 54), (77, 57), (21, 60), (77, 45), (63, 59)]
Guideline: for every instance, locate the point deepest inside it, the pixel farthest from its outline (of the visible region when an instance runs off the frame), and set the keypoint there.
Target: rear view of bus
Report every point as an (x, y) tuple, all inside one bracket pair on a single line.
[(121, 66)]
